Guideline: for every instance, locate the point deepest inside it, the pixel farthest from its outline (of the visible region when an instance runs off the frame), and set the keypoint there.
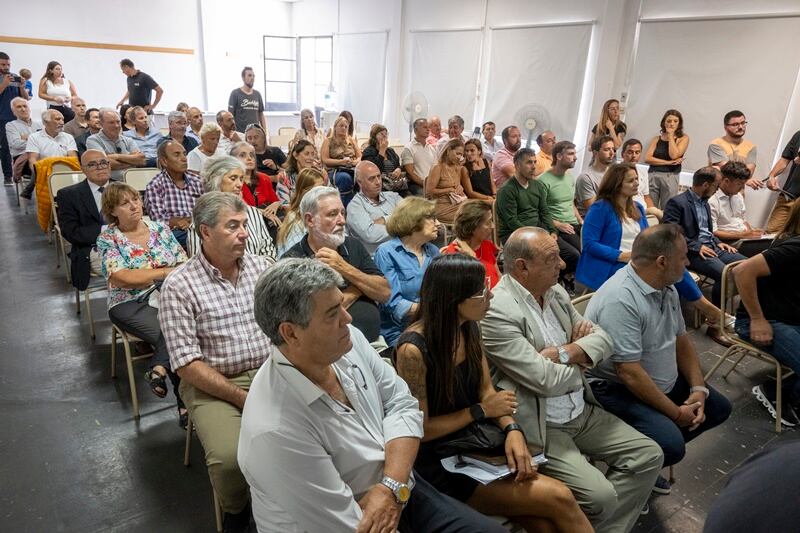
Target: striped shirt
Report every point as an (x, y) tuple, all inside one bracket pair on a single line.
[(204, 317), (163, 200), (259, 241)]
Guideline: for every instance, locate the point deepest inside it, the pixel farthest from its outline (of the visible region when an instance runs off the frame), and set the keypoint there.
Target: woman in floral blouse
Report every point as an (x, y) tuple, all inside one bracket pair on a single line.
[(137, 254)]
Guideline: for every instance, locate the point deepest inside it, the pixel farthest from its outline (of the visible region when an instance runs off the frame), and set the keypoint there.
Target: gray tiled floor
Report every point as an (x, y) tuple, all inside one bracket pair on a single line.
[(74, 460)]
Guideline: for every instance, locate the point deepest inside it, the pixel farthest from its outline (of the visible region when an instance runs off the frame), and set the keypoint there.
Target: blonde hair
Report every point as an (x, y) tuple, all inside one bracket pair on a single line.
[(409, 216), (114, 194), (306, 180)]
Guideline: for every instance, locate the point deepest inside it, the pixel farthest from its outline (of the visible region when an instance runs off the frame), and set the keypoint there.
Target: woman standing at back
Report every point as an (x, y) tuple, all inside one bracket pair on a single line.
[(609, 124), (57, 90), (665, 157)]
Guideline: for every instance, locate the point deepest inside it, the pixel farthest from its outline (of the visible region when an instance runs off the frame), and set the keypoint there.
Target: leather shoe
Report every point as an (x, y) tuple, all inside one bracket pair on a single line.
[(715, 335)]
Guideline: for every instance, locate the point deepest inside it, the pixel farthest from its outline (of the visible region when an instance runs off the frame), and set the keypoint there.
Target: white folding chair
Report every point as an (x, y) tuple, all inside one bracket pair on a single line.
[(138, 178), (582, 302), (127, 339), (58, 181)]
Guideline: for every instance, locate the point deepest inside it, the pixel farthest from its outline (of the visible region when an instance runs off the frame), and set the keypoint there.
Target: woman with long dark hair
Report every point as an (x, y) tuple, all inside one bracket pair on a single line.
[(57, 90), (302, 155), (480, 184), (609, 228), (441, 358), (665, 157)]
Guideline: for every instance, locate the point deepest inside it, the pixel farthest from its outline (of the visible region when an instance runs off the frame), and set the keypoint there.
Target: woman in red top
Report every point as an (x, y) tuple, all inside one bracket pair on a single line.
[(257, 190), (474, 229)]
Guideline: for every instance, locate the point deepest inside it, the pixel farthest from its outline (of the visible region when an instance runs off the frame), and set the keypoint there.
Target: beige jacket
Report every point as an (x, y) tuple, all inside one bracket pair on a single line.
[(512, 341)]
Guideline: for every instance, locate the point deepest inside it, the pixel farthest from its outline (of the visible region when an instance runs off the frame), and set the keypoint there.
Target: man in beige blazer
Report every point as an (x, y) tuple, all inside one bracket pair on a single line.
[(539, 346)]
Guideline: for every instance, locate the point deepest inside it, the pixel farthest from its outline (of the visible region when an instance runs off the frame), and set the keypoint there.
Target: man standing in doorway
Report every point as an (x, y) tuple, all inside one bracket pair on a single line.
[(140, 88), (246, 103)]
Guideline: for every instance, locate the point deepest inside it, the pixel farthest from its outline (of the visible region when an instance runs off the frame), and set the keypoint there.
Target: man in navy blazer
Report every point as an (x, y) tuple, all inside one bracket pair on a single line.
[(690, 210), (80, 217)]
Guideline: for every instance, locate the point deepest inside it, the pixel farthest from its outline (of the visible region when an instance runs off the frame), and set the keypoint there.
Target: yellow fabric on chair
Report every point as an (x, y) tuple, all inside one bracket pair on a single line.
[(43, 168)]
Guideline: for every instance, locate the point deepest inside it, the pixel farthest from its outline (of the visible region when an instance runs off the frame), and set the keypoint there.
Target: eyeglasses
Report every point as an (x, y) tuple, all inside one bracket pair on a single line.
[(737, 124), (95, 165), (484, 294)]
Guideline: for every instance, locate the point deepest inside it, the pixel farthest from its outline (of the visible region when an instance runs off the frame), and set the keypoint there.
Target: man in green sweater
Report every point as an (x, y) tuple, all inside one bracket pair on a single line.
[(522, 201)]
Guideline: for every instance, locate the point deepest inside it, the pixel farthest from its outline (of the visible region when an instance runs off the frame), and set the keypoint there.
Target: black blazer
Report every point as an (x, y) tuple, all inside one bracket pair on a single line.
[(680, 210), (80, 224)]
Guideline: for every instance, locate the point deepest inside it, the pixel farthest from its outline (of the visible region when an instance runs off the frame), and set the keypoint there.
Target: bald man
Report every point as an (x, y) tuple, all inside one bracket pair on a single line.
[(368, 211), (77, 126), (540, 346), (544, 159), (80, 218)]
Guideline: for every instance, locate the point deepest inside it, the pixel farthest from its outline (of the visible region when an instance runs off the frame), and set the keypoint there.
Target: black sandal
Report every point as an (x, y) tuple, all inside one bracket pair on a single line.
[(183, 418), (157, 382)]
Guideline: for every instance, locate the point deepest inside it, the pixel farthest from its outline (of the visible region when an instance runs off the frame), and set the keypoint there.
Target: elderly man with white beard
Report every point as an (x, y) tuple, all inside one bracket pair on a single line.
[(324, 217)]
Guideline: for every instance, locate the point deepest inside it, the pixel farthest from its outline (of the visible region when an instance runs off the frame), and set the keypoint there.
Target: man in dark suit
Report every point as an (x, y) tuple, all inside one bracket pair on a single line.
[(80, 218), (707, 254)]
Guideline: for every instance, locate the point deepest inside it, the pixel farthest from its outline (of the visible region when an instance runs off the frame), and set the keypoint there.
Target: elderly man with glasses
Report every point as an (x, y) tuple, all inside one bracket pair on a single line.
[(80, 217)]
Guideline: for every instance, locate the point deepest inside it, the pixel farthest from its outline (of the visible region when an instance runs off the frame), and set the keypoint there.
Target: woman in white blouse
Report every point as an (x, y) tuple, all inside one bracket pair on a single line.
[(209, 140), (226, 174), (57, 90), (309, 130)]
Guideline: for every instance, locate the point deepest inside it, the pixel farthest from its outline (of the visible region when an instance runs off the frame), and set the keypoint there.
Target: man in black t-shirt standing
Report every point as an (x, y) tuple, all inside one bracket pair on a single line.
[(791, 189), (246, 103), (140, 88), (769, 315)]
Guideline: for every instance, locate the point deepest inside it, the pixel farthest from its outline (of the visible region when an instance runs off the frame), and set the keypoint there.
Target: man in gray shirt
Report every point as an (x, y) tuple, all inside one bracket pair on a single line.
[(588, 183), (123, 152), (246, 103), (17, 133), (368, 211), (653, 380)]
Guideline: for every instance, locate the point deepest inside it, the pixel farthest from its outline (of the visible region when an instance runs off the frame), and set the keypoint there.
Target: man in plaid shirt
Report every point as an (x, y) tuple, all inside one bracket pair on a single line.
[(214, 342), (170, 196)]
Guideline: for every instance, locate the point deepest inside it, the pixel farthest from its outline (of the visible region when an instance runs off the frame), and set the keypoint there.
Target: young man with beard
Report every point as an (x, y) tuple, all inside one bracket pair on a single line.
[(589, 181), (503, 163), (246, 103), (324, 217), (560, 187)]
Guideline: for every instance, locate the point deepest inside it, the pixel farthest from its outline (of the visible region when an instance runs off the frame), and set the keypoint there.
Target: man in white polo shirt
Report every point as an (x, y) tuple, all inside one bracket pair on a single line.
[(49, 142), (418, 157)]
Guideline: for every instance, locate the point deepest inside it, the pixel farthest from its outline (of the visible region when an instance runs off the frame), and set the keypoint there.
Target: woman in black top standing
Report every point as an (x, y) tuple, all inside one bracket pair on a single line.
[(481, 185), (441, 358), (665, 156), (609, 124)]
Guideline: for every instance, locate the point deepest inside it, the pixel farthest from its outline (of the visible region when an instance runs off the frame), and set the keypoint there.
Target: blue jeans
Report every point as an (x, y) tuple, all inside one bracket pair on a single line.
[(343, 181), (431, 511), (785, 348), (713, 267), (617, 399)]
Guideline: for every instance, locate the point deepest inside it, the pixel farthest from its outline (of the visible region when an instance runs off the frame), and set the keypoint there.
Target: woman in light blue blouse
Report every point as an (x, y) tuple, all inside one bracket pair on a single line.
[(403, 260), (136, 254)]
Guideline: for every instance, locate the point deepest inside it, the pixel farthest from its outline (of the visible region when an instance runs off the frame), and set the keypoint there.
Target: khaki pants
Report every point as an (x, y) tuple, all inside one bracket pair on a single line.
[(779, 215), (612, 501), (217, 423)]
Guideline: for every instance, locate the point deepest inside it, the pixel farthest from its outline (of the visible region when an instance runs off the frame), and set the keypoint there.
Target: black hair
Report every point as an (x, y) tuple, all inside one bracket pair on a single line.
[(704, 175), (732, 114), (126, 63), (523, 153)]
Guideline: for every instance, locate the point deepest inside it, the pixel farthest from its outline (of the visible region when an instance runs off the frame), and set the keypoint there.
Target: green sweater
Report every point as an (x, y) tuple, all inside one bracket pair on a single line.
[(518, 207)]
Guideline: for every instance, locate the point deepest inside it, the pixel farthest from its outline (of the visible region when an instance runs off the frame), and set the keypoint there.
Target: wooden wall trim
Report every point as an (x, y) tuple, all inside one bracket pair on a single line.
[(100, 46)]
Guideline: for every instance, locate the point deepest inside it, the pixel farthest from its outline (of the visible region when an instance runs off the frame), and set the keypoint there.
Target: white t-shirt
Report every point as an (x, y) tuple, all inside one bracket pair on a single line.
[(644, 185), (58, 90), (196, 159), (44, 145), (630, 229)]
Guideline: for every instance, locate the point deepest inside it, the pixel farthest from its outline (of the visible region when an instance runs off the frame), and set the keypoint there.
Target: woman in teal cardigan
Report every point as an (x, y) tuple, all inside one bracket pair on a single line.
[(609, 228)]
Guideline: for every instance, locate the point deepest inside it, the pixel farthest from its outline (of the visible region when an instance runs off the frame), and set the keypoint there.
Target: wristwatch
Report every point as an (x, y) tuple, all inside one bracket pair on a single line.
[(563, 355), (477, 412), (401, 491), (513, 427), (699, 388)]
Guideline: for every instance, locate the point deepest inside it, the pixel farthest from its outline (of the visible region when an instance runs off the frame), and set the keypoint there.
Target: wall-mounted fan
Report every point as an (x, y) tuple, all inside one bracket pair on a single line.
[(532, 120), (415, 106)]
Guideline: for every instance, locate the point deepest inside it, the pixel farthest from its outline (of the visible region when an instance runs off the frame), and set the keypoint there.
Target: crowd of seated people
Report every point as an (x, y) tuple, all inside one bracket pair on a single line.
[(356, 237)]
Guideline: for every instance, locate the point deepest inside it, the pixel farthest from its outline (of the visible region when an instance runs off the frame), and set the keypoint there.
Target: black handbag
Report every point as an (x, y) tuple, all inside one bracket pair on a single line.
[(482, 437)]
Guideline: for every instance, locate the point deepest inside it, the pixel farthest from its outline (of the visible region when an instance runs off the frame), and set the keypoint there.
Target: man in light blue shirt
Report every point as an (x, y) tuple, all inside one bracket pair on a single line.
[(329, 431), (653, 380), (146, 137)]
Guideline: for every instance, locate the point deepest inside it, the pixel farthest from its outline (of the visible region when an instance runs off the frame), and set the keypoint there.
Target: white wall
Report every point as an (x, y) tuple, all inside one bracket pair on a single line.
[(95, 72)]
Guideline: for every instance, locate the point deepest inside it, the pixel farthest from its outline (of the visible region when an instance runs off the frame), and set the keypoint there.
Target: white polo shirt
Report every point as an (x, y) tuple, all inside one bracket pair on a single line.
[(422, 155), (46, 146)]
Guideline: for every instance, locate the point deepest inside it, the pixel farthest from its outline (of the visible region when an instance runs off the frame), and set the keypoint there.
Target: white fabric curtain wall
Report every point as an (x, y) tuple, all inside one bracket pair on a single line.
[(362, 76), (444, 67), (539, 65), (705, 69)]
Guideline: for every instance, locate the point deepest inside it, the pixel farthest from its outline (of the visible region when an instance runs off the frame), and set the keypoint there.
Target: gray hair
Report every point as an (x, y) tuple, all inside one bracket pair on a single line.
[(210, 205), (175, 115), (209, 127), (518, 245), (48, 113), (103, 111), (215, 169), (239, 144), (310, 202), (284, 293), (14, 100), (654, 242), (456, 119)]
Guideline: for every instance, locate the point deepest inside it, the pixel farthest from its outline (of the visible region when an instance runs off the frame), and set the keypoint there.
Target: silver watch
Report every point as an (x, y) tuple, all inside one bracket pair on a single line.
[(700, 388), (401, 491), (563, 355)]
